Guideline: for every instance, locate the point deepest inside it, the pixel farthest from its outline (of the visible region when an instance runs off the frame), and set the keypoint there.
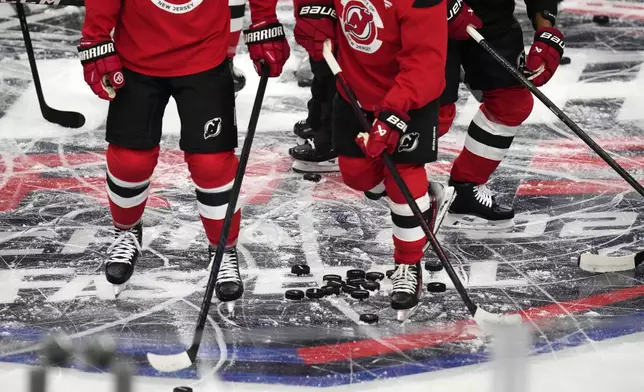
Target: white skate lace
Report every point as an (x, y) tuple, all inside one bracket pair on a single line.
[(484, 195), (404, 279), (228, 269), (124, 246)]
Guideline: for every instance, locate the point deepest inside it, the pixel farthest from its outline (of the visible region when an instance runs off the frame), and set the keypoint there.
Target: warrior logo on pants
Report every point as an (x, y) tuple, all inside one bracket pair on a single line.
[(212, 128)]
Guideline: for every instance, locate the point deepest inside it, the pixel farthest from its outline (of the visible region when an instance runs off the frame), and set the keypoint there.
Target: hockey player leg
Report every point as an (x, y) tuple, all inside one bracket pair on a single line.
[(213, 175), (128, 186), (489, 137)]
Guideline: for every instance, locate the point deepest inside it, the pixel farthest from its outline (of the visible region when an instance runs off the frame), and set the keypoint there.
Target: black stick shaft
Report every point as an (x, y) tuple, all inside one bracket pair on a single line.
[(32, 58), (230, 211), (391, 166), (563, 117)]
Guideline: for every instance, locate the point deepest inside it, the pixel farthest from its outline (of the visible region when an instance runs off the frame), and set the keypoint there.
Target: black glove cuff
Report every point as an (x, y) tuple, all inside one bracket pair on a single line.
[(317, 11), (393, 120), (98, 51), (551, 40), (270, 32), (454, 8), (547, 9)]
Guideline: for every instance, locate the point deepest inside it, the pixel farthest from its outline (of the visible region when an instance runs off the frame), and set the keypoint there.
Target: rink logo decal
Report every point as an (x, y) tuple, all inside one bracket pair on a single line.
[(212, 129), (408, 142), (180, 8), (360, 22)]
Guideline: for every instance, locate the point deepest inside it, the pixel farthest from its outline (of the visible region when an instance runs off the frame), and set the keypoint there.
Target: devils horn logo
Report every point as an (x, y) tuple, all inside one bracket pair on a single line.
[(212, 128), (360, 22), (408, 142)]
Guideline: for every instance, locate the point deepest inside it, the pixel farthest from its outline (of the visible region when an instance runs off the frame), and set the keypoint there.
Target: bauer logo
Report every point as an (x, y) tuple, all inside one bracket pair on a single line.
[(177, 7), (360, 23), (212, 128), (317, 11), (408, 142)]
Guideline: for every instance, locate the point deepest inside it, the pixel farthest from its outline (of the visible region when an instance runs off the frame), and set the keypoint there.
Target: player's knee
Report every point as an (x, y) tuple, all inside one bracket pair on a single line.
[(212, 170), (508, 106), (446, 115), (414, 176), (361, 174), (129, 165)]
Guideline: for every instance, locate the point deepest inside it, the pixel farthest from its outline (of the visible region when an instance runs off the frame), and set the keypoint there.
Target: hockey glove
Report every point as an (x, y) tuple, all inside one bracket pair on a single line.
[(384, 134), (459, 16), (314, 24), (102, 68), (544, 56), (266, 42)]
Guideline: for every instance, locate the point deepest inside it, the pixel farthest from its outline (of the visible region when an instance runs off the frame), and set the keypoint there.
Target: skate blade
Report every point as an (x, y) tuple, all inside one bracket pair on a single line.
[(449, 194), (230, 306), (404, 314), (470, 222), (329, 166), (118, 289)]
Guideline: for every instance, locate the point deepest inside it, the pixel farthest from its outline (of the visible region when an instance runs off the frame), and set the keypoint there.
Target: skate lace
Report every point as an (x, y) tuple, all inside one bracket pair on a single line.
[(404, 279), (484, 195), (228, 269), (124, 246)]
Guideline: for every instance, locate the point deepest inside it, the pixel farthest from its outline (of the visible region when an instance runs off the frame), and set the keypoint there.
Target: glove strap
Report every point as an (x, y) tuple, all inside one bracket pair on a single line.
[(453, 9), (550, 38), (393, 120), (317, 11), (94, 52), (270, 32)]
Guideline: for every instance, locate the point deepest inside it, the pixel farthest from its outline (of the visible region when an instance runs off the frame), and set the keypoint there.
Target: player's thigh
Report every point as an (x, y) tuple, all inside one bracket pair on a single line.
[(483, 72), (135, 116), (452, 72), (419, 144), (345, 128), (206, 106)]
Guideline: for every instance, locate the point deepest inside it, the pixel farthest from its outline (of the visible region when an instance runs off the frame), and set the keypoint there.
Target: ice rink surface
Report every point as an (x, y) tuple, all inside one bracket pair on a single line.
[(54, 230)]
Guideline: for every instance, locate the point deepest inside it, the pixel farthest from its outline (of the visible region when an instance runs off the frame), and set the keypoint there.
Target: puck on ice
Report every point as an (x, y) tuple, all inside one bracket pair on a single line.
[(335, 283), (182, 389), (331, 290), (565, 60), (332, 277), (356, 274), (369, 318), (433, 266), (436, 287), (360, 294), (355, 281), (370, 285), (349, 288), (314, 293), (300, 269), (294, 295), (374, 276), (601, 20), (389, 273), (312, 177)]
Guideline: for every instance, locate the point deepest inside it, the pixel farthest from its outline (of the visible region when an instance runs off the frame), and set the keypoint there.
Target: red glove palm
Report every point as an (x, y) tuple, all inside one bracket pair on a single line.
[(384, 134), (544, 56), (314, 24), (459, 16), (267, 43), (102, 68)]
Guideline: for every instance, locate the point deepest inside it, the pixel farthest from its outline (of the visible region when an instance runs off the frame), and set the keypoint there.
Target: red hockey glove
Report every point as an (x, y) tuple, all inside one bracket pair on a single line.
[(314, 24), (102, 68), (544, 56), (384, 134), (459, 16), (266, 42)]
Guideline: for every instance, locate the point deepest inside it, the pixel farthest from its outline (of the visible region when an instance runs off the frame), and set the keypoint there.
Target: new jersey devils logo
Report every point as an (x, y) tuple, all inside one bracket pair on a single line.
[(408, 142), (360, 22), (177, 6), (212, 128)]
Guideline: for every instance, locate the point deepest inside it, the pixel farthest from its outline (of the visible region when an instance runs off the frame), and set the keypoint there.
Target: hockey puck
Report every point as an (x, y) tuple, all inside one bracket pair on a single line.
[(433, 266), (601, 20), (369, 318), (565, 60), (374, 276), (314, 293), (370, 285), (355, 274), (314, 177), (349, 288), (389, 273), (300, 269), (182, 389), (436, 287), (332, 277), (294, 295), (355, 282), (360, 294), (331, 290), (335, 283)]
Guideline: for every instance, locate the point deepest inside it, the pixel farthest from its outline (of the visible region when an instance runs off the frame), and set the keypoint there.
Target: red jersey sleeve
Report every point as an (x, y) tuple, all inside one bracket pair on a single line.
[(421, 60), (100, 19), (261, 10)]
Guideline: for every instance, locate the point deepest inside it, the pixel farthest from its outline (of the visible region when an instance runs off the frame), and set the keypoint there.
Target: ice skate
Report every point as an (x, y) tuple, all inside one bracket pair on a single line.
[(303, 131), (123, 254), (239, 79), (309, 159), (407, 282), (229, 286), (442, 198), (475, 207)]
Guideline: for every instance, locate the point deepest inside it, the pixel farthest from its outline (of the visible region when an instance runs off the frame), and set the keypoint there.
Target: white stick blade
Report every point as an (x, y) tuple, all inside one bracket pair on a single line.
[(488, 321), (597, 263), (169, 363)]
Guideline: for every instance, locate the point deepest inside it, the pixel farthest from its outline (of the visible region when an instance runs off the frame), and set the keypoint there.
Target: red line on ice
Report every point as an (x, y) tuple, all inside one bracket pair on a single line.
[(459, 331)]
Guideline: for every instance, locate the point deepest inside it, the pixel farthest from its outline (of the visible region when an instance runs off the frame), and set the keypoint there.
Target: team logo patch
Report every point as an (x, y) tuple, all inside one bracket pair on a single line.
[(408, 142), (360, 22), (177, 6), (212, 128)]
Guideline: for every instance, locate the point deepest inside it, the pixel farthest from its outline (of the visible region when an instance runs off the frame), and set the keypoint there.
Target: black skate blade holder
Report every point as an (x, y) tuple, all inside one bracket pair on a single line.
[(484, 319)]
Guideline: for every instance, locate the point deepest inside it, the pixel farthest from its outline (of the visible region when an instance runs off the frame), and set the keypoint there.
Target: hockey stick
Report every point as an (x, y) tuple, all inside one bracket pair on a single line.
[(554, 109), (78, 3), (481, 317), (65, 119), (175, 362), (598, 263)]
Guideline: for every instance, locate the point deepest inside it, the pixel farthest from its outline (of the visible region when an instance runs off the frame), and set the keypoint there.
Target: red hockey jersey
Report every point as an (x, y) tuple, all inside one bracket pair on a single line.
[(393, 52), (167, 37)]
